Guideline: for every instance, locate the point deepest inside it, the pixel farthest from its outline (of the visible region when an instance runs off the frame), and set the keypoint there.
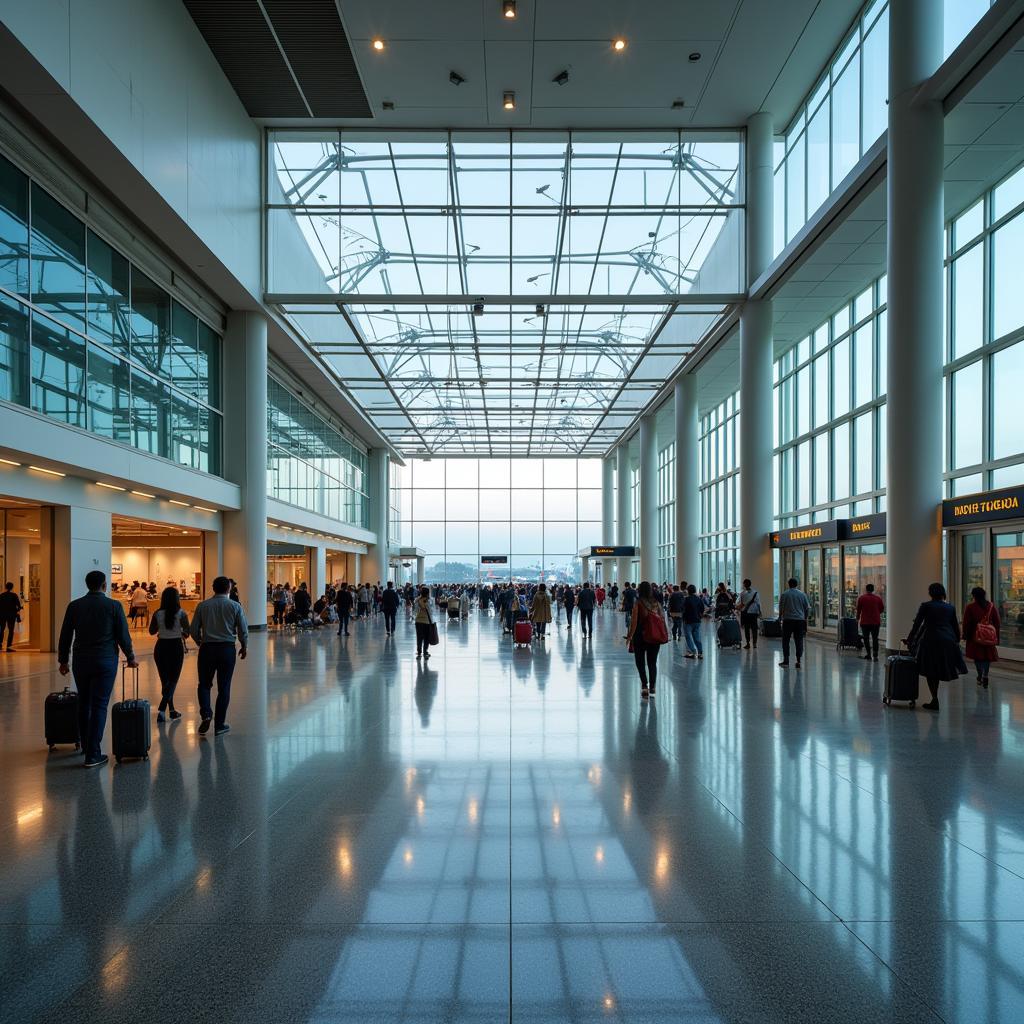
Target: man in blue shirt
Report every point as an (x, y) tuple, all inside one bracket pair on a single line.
[(94, 628), (794, 609)]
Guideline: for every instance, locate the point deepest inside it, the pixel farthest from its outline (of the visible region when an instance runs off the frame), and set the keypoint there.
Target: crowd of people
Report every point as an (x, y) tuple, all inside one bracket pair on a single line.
[(95, 629)]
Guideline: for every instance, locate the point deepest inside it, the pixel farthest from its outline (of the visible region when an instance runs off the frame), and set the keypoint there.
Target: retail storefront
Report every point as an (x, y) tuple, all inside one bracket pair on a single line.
[(985, 548), (834, 561)]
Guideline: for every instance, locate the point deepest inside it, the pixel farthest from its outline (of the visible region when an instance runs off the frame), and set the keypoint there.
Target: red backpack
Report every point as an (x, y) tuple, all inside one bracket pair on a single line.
[(653, 629)]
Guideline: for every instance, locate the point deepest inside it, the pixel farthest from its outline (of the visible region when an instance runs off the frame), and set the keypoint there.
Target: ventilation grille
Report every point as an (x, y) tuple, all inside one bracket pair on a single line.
[(284, 58)]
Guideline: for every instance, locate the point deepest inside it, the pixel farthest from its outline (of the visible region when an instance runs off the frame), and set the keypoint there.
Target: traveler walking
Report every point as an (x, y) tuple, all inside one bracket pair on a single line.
[(218, 621), (981, 631), (343, 602), (303, 603), (613, 596), (935, 641), (750, 611), (10, 615), (628, 600), (540, 610), (280, 605), (794, 609), (424, 620), (676, 600), (389, 605), (724, 604), (646, 628), (169, 625), (569, 600), (585, 602), (869, 614), (693, 615), (94, 628)]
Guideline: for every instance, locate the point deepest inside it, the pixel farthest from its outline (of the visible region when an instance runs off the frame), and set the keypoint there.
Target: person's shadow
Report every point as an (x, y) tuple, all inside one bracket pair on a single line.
[(647, 760), (170, 800), (425, 692)]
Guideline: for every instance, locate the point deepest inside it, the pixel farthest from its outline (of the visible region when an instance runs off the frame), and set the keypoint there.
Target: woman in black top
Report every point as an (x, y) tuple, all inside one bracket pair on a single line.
[(935, 641)]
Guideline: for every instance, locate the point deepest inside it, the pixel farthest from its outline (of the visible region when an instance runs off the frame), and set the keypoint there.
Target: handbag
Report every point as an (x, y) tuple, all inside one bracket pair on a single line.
[(653, 629), (985, 633)]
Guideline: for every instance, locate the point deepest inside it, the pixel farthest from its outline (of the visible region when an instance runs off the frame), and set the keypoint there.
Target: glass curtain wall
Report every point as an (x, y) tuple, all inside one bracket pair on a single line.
[(719, 493), (311, 463), (88, 339), (667, 512), (537, 512)]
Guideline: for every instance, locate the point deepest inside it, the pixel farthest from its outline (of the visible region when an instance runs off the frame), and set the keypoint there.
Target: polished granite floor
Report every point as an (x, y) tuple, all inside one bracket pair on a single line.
[(508, 834)]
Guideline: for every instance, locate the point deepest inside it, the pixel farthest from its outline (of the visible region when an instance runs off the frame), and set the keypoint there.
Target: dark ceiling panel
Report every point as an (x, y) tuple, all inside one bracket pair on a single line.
[(240, 39), (314, 40)]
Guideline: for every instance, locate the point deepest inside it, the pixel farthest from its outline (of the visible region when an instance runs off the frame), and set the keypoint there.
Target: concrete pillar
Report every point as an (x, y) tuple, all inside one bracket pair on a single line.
[(624, 516), (607, 502), (648, 498), (756, 367), (376, 565), (245, 443), (421, 569), (317, 571), (357, 568), (211, 554), (584, 570), (915, 350), (687, 480)]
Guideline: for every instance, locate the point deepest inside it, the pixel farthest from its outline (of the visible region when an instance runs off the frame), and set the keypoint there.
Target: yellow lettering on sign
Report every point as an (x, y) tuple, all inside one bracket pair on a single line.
[(974, 508), (860, 527), (805, 534)]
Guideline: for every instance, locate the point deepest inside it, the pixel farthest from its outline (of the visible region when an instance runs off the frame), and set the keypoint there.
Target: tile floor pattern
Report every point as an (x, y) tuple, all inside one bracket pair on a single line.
[(507, 834)]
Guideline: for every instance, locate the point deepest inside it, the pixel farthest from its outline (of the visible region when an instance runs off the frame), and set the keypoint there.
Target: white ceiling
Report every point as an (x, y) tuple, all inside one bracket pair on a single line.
[(755, 54)]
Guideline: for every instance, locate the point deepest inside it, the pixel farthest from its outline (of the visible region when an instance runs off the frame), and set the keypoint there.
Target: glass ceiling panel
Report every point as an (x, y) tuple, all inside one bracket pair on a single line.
[(604, 243)]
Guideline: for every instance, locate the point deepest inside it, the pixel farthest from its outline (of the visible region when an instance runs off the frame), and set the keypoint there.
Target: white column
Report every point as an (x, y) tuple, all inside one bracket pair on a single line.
[(421, 569), (607, 502), (648, 498), (687, 479), (584, 569), (624, 518), (915, 254), (376, 565), (245, 462), (357, 568), (317, 571), (212, 566), (756, 366)]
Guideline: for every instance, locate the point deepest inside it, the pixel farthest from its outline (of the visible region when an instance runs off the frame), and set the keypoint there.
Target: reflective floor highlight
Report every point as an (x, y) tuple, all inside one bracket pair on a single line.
[(504, 834)]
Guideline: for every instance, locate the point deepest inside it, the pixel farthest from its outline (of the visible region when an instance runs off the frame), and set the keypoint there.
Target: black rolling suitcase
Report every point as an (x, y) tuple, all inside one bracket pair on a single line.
[(771, 629), (901, 679), (60, 718), (729, 633), (130, 723), (849, 635)]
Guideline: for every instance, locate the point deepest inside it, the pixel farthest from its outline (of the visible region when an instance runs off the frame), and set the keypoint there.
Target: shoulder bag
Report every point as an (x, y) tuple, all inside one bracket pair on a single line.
[(985, 633), (653, 628)]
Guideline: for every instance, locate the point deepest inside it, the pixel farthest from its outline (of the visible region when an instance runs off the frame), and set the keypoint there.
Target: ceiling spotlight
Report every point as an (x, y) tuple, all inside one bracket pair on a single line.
[(695, 56), (561, 78), (478, 309), (509, 100), (378, 45), (539, 310), (508, 9), (618, 45), (455, 78)]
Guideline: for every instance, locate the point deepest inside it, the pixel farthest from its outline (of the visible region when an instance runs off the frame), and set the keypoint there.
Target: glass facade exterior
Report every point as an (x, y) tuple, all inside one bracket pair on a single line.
[(88, 339), (536, 512), (667, 512), (310, 462), (719, 493)]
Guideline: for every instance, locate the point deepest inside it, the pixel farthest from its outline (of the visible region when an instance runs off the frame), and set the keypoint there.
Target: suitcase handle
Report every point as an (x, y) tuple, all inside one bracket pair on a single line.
[(124, 670)]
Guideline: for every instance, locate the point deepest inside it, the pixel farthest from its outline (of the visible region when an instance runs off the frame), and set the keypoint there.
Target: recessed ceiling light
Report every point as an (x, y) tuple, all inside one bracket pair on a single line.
[(509, 100), (10, 462), (48, 472), (378, 45), (203, 508), (109, 487), (144, 494), (508, 9), (618, 44), (174, 501), (695, 56)]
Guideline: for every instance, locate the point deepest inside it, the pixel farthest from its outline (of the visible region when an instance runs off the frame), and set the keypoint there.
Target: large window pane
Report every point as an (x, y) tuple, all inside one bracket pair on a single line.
[(967, 416), (58, 372), (841, 462), (13, 228), (863, 366), (14, 351), (795, 183), (818, 158), (58, 260), (968, 301), (180, 362), (151, 321), (1007, 294), (1007, 390), (846, 121), (1008, 584), (149, 416), (864, 476), (875, 56), (107, 295), (109, 396), (841, 378), (208, 369)]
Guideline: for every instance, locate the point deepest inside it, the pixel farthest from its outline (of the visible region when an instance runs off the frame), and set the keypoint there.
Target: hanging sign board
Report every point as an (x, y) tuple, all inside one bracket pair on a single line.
[(986, 507)]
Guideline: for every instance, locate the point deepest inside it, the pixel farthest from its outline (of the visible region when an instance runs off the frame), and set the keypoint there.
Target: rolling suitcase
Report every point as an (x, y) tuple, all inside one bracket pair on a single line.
[(130, 723), (523, 634), (849, 635), (901, 679), (729, 633), (60, 718), (771, 629)]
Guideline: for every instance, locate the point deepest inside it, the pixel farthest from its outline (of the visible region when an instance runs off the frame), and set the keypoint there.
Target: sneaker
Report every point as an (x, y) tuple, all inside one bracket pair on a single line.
[(95, 762), (204, 726), (746, 647), (221, 729), (798, 664), (783, 664), (689, 654), (700, 657), (175, 715), (160, 717)]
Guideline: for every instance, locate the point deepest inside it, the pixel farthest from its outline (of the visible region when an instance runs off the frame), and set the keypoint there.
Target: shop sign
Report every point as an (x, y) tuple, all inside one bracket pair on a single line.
[(864, 527), (814, 533), (613, 552), (987, 507), (494, 559)]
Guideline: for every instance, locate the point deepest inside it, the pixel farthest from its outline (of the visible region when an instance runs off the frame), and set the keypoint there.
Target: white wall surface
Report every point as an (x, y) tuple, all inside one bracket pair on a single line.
[(157, 565)]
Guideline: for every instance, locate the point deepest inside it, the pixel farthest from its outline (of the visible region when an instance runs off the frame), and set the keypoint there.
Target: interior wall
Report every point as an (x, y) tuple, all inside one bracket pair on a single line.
[(164, 566)]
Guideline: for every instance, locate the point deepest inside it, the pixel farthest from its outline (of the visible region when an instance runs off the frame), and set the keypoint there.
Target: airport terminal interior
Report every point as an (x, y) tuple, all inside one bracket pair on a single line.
[(534, 313)]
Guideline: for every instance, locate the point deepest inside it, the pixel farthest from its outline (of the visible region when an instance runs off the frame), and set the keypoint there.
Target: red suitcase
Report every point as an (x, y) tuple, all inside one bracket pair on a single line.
[(523, 633)]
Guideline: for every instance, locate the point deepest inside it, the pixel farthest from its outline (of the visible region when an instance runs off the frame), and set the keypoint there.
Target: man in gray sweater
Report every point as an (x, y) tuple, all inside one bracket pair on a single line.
[(794, 608)]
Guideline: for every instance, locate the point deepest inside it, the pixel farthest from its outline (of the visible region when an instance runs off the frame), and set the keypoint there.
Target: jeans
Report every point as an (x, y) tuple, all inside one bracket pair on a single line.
[(539, 628), (215, 659), (343, 620), (870, 634), (94, 679), (389, 622), (749, 622), (795, 628), (422, 637), (169, 656), (568, 616), (677, 626), (361, 610), (646, 653), (981, 666), (587, 621), (279, 609), (692, 632)]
